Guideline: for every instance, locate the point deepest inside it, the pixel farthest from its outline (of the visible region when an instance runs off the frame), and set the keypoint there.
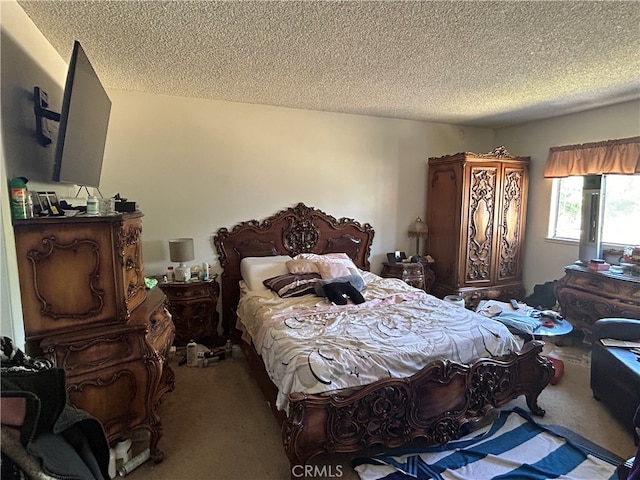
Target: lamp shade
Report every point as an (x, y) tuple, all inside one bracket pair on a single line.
[(418, 229), (181, 249)]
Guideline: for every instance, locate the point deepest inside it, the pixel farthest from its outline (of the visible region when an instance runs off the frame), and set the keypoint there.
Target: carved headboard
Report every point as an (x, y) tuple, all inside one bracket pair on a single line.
[(295, 230)]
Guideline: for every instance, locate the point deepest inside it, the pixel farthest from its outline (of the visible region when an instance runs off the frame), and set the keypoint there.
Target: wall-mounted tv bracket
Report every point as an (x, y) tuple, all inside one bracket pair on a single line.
[(40, 107)]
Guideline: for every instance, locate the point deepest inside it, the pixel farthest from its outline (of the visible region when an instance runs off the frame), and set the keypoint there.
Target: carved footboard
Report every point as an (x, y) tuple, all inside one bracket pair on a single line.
[(435, 404)]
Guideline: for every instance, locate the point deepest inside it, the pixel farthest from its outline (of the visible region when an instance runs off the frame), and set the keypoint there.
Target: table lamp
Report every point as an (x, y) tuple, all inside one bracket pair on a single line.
[(418, 229), (181, 251)]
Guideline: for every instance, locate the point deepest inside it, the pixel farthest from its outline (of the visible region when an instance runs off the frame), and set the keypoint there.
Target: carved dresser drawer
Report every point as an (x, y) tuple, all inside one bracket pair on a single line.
[(79, 272), (117, 373), (126, 389), (594, 283), (585, 296), (90, 350)]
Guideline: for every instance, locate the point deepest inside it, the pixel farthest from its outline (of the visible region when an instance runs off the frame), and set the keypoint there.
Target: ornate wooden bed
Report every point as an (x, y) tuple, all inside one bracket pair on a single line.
[(436, 404)]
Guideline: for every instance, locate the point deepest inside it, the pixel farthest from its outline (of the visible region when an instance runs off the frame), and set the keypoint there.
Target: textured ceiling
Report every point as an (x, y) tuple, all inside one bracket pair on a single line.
[(475, 63)]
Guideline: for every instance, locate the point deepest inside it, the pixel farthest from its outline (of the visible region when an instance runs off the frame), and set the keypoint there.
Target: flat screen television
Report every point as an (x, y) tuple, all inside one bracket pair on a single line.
[(84, 120)]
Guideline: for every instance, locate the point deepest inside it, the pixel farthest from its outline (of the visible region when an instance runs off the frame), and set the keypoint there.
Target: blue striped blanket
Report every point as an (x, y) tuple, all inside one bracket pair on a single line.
[(512, 447)]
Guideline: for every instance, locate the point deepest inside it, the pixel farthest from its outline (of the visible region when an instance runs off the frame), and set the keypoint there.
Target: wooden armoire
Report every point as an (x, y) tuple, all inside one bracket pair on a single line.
[(86, 308), (476, 212)]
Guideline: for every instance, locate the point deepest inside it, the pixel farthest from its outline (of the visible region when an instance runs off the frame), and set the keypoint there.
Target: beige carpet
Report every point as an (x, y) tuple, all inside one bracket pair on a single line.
[(218, 426)]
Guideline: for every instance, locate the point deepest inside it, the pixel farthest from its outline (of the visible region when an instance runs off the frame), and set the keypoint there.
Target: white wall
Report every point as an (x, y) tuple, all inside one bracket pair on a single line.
[(36, 55), (197, 165), (545, 259)]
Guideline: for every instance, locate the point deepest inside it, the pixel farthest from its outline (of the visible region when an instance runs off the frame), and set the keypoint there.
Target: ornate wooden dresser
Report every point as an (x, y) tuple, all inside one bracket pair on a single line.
[(419, 274), (476, 212), (586, 296), (410, 273), (85, 307), (193, 307)]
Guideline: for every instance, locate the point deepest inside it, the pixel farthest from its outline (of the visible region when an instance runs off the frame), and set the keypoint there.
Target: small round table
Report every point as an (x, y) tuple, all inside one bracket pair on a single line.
[(562, 327), (559, 328)]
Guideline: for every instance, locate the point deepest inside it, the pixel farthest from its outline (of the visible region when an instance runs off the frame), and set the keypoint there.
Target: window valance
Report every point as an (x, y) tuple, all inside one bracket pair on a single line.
[(611, 156)]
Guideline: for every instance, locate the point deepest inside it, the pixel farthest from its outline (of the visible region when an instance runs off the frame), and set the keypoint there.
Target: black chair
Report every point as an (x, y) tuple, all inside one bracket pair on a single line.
[(615, 372)]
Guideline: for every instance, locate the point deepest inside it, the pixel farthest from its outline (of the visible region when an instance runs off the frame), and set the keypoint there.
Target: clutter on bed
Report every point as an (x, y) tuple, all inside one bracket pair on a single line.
[(312, 346), (523, 319), (339, 292), (356, 281)]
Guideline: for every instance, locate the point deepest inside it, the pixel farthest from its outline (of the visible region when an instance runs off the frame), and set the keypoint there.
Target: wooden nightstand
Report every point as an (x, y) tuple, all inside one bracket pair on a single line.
[(411, 273), (193, 306), (429, 275)]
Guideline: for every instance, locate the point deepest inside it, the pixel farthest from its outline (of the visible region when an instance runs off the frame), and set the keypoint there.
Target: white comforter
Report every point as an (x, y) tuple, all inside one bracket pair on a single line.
[(309, 345)]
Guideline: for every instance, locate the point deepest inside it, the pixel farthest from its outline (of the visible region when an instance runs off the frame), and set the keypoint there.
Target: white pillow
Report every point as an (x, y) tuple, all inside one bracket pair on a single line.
[(255, 270)]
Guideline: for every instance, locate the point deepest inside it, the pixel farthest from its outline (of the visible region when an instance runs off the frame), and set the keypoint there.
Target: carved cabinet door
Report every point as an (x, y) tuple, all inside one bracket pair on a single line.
[(482, 202), (511, 220), (496, 200)]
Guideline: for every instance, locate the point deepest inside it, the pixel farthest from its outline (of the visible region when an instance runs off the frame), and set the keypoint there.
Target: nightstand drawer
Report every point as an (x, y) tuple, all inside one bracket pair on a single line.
[(186, 291), (410, 273), (193, 308)]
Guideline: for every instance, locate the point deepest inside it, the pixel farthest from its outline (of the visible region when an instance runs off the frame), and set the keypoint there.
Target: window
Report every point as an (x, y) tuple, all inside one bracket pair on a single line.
[(566, 205), (621, 217)]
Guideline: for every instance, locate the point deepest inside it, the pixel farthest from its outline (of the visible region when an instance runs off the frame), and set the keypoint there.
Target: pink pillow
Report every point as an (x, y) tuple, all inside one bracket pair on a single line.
[(332, 270), (331, 265), (316, 257), (302, 266)]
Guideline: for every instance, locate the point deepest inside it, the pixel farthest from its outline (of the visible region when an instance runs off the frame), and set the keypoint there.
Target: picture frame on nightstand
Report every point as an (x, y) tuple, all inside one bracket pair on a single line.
[(395, 257), (47, 202), (42, 199)]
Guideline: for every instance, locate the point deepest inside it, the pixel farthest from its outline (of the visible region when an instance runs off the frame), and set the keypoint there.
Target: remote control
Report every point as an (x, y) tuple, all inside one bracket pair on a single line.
[(514, 304)]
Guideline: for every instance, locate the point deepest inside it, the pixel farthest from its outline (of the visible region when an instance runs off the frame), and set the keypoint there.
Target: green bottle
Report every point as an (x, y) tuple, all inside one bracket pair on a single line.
[(18, 192)]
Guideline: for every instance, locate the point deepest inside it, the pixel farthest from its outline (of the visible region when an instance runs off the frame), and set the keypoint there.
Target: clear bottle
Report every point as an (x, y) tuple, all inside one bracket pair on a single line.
[(29, 205), (205, 271), (228, 350), (192, 354), (92, 206), (171, 276)]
